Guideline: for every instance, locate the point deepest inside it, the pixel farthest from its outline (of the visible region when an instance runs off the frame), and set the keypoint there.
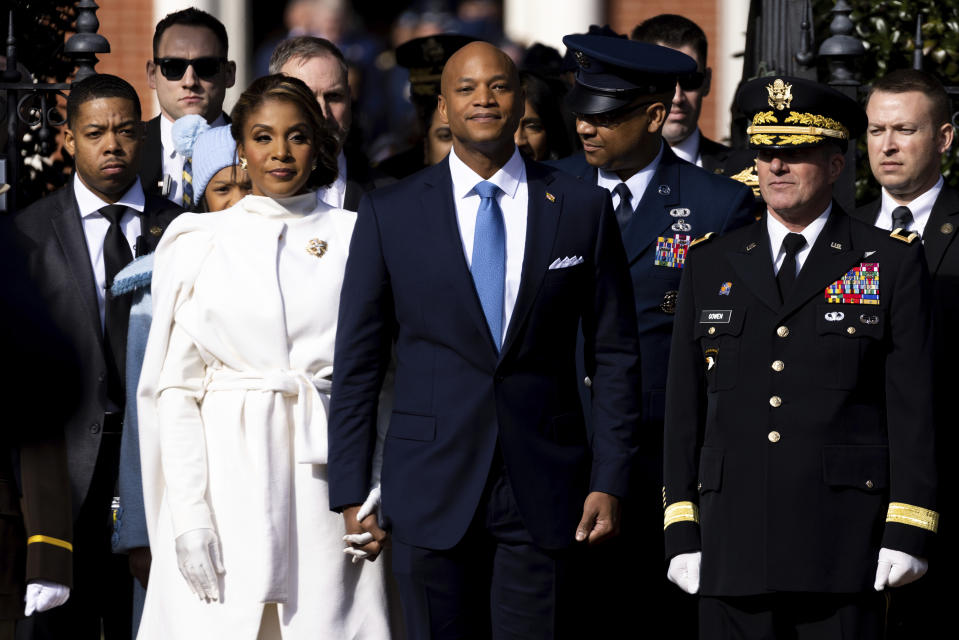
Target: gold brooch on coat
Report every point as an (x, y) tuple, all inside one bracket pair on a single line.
[(317, 247)]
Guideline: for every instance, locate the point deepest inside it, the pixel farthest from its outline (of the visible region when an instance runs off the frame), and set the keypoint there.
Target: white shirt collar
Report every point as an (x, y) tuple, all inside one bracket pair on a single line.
[(507, 178), (778, 232), (637, 183), (688, 149), (166, 133), (335, 194), (921, 208), (90, 203)]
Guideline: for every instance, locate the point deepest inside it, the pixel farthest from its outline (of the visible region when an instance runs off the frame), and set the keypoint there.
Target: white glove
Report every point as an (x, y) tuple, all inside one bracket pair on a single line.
[(684, 571), (371, 505), (198, 556), (43, 596), (896, 568)]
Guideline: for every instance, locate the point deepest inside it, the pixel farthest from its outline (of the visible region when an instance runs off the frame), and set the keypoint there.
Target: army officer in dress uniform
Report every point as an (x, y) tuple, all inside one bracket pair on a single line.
[(799, 466)]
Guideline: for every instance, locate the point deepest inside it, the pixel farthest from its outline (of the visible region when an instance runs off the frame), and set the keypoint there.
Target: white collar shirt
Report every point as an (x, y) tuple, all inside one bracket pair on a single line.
[(95, 228), (778, 232), (688, 149), (636, 183), (335, 194), (513, 199), (921, 208), (173, 161)]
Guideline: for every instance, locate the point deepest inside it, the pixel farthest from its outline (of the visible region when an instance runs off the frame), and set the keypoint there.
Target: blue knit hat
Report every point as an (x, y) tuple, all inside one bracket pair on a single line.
[(214, 150)]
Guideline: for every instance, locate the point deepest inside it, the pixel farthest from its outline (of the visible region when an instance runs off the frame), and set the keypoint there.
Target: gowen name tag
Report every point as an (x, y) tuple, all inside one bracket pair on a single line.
[(720, 316)]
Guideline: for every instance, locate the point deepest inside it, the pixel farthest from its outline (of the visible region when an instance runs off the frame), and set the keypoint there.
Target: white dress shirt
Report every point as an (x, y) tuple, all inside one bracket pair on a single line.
[(173, 161), (637, 183), (335, 194), (921, 208), (513, 199), (688, 149), (95, 228), (778, 232)]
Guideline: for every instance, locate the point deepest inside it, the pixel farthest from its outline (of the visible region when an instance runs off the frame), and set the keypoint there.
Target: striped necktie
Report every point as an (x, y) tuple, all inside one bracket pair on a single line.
[(187, 183)]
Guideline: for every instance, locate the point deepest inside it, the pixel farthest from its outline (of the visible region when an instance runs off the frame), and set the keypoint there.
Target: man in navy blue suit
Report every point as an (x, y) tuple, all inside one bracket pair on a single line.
[(621, 100), (478, 272)]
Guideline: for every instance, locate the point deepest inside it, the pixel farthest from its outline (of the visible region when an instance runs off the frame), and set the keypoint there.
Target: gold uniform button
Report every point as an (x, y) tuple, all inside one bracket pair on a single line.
[(850, 330), (778, 365), (782, 332), (587, 382), (774, 436), (711, 330), (869, 484), (775, 401)]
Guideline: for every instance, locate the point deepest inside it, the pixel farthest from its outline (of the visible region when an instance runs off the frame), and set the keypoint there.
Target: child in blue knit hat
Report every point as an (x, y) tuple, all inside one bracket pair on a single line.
[(218, 180)]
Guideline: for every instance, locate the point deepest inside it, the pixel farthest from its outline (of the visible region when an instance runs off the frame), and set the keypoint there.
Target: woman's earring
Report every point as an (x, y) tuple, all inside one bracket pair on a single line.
[(314, 166), (243, 163)]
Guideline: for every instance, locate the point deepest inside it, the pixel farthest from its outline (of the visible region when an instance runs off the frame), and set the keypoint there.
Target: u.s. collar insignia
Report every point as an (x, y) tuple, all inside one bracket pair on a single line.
[(751, 246), (582, 59), (155, 230), (679, 212), (550, 197), (836, 245), (316, 247), (780, 94)]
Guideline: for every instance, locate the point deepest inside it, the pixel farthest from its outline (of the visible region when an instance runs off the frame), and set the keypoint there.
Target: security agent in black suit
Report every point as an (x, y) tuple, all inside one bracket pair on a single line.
[(76, 240), (909, 129), (190, 73), (620, 99), (681, 129), (799, 444)]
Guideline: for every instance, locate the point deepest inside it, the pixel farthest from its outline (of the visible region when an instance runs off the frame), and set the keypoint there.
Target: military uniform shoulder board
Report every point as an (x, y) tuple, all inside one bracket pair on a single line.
[(704, 238), (898, 235)]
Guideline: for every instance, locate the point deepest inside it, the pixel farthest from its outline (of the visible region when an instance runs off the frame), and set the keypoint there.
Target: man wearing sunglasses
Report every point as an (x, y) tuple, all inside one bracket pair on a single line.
[(622, 99), (190, 73), (681, 131)]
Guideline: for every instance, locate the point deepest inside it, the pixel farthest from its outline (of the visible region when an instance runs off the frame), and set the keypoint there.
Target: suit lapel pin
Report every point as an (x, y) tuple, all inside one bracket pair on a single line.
[(155, 230), (751, 246), (836, 245), (316, 247), (946, 229), (550, 197), (663, 190)]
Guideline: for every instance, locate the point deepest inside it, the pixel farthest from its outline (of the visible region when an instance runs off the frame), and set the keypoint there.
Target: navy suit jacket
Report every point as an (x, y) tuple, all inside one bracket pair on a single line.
[(715, 203), (407, 283)]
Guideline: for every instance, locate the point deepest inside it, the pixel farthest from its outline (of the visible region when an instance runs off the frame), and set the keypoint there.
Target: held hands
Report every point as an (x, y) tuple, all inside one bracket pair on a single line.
[(684, 571), (43, 596), (363, 532), (600, 519), (198, 556), (896, 568)]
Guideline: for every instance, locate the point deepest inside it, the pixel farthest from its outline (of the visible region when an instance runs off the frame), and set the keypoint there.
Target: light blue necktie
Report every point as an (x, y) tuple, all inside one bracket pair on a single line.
[(489, 258)]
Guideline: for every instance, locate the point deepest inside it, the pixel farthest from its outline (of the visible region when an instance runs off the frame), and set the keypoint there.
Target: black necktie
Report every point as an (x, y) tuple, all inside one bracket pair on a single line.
[(901, 218), (116, 255), (624, 211), (793, 242)]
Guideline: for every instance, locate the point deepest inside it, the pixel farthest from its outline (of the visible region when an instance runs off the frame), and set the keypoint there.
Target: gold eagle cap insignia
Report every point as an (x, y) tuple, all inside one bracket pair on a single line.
[(780, 94)]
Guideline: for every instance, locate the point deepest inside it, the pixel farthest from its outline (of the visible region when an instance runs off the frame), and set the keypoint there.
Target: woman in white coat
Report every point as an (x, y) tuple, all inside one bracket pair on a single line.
[(233, 400)]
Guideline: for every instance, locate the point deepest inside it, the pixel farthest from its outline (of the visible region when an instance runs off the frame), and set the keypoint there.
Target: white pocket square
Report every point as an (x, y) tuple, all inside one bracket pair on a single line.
[(562, 263)]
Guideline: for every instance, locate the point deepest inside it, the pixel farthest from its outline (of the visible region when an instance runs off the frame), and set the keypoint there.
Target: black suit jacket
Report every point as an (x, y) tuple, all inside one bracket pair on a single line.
[(51, 233), (714, 155), (457, 399), (791, 427)]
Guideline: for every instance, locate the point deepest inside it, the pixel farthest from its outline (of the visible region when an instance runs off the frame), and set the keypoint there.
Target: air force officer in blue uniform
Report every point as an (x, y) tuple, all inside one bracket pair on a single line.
[(477, 272)]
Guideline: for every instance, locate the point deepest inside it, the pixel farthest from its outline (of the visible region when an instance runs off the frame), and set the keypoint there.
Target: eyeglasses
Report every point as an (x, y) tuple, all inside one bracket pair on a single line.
[(174, 68), (692, 81), (613, 118)]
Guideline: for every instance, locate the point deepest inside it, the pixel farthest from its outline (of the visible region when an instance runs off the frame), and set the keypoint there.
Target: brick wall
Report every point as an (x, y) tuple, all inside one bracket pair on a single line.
[(624, 15), (128, 26)]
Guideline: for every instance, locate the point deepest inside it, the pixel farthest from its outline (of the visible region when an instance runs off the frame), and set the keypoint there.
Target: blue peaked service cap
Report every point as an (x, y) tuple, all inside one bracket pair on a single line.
[(612, 72)]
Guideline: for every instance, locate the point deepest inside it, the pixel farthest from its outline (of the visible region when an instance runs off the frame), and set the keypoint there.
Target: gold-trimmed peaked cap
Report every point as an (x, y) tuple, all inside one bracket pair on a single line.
[(786, 113), (425, 58)]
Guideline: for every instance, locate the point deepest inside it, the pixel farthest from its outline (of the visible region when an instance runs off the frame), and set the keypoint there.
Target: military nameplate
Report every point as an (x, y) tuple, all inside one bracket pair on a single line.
[(671, 252), (860, 285)]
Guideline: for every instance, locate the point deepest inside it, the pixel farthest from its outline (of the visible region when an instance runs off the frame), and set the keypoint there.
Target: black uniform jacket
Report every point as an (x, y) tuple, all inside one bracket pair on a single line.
[(799, 435)]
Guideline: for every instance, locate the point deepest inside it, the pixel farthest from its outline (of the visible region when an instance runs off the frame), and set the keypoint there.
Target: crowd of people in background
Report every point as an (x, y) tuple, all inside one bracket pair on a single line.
[(500, 317)]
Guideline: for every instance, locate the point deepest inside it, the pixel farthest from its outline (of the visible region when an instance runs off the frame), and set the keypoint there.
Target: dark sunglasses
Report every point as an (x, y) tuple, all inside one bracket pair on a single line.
[(174, 68), (692, 81)]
